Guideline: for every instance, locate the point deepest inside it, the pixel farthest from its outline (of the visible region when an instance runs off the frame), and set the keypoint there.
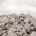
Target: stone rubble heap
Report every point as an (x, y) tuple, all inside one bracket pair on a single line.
[(19, 25)]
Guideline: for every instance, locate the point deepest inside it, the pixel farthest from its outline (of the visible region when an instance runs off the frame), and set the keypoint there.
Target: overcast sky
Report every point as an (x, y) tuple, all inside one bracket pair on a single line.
[(18, 6)]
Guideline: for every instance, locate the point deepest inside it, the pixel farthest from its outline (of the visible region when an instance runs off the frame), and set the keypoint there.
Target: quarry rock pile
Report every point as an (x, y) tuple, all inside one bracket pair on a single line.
[(19, 25)]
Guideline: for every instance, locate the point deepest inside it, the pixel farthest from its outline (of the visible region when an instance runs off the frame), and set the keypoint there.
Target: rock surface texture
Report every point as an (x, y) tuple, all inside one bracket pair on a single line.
[(19, 25)]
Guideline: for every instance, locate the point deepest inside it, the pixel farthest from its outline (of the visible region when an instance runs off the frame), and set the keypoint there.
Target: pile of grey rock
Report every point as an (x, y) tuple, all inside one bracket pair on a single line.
[(17, 25)]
